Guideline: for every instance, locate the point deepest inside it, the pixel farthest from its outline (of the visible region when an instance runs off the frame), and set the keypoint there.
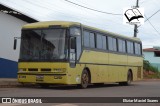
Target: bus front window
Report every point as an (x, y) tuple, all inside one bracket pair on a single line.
[(43, 44)]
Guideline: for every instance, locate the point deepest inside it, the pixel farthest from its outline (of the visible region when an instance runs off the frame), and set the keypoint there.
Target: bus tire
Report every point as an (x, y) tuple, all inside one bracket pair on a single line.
[(84, 79), (129, 80)]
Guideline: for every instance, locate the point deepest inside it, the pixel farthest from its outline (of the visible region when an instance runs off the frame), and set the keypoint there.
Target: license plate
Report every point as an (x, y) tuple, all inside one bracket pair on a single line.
[(39, 77)]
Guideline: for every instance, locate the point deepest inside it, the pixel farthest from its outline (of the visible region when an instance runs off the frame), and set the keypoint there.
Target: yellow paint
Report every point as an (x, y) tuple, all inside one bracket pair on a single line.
[(116, 68), (103, 66), (111, 72)]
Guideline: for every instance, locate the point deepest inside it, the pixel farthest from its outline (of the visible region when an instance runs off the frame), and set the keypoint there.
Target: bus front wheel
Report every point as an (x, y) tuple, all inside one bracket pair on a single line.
[(84, 79)]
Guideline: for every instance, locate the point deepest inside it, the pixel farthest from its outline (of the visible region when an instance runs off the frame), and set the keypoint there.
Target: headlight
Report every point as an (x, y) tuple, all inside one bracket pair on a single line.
[(21, 70)]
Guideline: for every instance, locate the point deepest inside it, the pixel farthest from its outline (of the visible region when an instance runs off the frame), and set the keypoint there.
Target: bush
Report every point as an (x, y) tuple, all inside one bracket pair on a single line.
[(148, 67)]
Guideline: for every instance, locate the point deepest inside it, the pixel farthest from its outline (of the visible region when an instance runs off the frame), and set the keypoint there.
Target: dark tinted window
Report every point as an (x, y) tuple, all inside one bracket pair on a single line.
[(86, 39), (104, 45), (112, 42), (92, 40), (130, 49), (121, 46), (99, 41), (137, 48)]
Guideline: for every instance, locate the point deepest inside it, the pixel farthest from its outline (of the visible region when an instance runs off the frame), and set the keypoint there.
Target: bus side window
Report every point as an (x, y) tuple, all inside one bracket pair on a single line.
[(104, 43), (121, 46), (92, 40), (112, 42), (99, 41), (137, 48), (130, 48), (86, 39)]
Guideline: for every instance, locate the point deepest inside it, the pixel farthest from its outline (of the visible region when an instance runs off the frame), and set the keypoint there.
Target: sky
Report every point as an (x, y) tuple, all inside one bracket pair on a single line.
[(51, 10)]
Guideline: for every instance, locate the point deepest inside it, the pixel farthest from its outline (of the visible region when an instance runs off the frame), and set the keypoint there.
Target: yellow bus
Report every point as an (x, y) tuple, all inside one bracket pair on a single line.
[(60, 52)]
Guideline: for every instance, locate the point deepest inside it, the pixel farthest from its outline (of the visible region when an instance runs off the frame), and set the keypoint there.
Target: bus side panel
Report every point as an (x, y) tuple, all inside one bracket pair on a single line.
[(74, 74), (136, 65), (94, 57), (97, 64), (117, 68)]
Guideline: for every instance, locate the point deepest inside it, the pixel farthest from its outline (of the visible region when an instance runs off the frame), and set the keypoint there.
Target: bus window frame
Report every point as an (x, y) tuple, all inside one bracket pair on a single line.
[(90, 30)]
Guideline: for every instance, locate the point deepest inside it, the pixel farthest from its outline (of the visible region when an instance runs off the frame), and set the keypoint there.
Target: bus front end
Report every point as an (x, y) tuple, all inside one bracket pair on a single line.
[(44, 56)]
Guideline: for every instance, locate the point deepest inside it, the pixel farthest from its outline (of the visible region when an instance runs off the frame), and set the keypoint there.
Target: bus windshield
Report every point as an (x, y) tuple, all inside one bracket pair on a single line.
[(43, 44)]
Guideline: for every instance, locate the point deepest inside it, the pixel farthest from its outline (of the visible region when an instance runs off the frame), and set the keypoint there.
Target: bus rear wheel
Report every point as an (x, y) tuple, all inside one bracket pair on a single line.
[(129, 80), (84, 79)]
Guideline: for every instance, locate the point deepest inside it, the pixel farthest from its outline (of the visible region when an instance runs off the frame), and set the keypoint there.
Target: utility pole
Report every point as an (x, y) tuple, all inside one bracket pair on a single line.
[(135, 26)]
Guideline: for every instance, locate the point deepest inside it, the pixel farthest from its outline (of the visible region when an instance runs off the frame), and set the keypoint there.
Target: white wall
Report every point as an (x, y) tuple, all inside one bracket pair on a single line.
[(10, 27)]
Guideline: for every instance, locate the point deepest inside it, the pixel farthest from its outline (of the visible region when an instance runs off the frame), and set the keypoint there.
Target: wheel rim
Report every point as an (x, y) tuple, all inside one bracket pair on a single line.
[(129, 78), (85, 79)]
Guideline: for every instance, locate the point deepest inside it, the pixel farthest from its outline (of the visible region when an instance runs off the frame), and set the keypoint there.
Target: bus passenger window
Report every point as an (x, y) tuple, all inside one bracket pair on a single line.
[(112, 44), (104, 45), (121, 46), (137, 48), (130, 47), (86, 39), (92, 40), (99, 41)]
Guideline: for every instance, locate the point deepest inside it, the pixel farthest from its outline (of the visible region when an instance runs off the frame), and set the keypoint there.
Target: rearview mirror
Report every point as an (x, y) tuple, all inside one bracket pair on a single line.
[(15, 44)]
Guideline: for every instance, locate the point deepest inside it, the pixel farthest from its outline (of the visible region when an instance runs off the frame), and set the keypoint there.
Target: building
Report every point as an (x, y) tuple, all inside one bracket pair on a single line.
[(11, 22), (153, 56)]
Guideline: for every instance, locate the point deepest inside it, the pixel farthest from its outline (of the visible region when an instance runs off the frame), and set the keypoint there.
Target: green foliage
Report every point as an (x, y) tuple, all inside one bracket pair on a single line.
[(148, 67)]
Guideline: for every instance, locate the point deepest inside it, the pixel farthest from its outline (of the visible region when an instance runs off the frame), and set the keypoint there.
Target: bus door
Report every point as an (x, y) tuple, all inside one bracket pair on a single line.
[(75, 46), (72, 54)]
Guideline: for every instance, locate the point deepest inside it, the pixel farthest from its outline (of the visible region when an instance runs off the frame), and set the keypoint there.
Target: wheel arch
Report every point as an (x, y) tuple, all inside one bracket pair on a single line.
[(130, 70)]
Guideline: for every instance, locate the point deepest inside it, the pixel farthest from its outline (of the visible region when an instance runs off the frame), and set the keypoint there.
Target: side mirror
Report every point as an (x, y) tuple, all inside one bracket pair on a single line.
[(15, 44)]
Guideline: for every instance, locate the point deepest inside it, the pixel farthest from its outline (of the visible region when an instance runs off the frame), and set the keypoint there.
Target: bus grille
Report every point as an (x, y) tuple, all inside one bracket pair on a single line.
[(46, 69), (33, 69)]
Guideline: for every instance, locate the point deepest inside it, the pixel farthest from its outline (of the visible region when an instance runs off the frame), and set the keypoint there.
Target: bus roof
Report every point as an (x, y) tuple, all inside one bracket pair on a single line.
[(47, 24)]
